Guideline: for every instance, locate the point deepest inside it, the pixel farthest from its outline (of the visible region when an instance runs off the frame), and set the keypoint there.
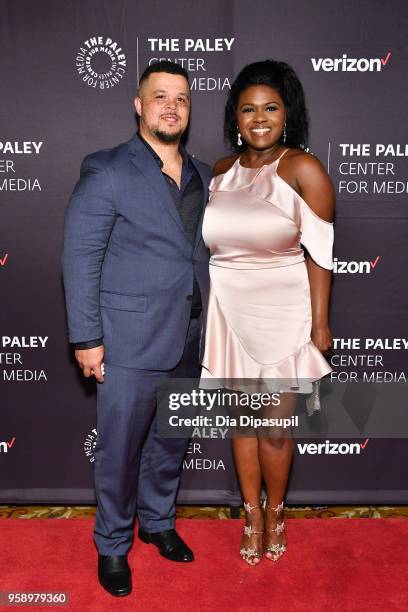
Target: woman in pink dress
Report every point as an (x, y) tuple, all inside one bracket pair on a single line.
[(268, 226)]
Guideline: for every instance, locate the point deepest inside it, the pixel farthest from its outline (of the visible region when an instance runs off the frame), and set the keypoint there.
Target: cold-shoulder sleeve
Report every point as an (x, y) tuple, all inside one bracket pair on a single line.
[(317, 236)]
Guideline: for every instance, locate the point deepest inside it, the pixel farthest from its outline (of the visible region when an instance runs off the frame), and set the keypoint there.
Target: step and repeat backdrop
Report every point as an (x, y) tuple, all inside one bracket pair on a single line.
[(69, 73)]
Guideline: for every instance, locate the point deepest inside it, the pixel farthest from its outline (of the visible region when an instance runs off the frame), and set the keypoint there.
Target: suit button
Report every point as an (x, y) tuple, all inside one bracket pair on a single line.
[(189, 298)]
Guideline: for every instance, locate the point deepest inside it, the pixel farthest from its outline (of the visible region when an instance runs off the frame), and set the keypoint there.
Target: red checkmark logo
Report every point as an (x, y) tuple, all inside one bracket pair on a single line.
[(3, 260), (10, 444), (375, 262), (385, 60), (365, 443)]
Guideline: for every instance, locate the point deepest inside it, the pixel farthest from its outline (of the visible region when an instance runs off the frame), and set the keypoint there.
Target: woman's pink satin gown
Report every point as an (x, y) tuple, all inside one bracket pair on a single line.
[(259, 312)]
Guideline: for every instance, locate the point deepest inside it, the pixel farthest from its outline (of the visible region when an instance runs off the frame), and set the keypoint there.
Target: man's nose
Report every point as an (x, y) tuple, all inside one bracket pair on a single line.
[(171, 103)]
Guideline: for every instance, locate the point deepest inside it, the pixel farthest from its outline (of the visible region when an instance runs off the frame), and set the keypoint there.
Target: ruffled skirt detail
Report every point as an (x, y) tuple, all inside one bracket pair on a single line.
[(238, 335)]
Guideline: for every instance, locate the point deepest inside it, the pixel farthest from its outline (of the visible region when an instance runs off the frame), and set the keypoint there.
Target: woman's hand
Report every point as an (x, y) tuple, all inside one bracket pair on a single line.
[(322, 338)]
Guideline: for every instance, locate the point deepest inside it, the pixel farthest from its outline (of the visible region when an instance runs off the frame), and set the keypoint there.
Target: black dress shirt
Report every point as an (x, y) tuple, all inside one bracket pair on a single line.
[(188, 199)]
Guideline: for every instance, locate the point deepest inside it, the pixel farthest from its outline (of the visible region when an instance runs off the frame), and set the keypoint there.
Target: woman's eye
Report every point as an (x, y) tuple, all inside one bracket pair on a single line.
[(247, 110), (271, 108)]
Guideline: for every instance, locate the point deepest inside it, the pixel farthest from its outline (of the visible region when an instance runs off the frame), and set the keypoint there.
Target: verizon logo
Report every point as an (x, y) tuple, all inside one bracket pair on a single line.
[(349, 64), (3, 260), (355, 267), (332, 448), (5, 446)]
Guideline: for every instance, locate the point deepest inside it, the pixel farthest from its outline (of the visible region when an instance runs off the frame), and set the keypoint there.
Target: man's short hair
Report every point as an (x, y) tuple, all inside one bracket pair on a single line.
[(164, 66)]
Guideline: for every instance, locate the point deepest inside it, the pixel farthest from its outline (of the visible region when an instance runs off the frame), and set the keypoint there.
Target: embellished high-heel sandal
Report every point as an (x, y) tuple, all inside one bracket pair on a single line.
[(250, 553), (276, 550)]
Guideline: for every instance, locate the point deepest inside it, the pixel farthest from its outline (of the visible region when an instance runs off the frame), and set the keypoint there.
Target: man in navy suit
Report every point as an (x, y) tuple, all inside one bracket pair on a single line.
[(136, 282)]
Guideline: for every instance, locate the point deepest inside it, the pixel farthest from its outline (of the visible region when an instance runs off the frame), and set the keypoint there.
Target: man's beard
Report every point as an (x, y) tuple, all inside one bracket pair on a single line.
[(166, 137)]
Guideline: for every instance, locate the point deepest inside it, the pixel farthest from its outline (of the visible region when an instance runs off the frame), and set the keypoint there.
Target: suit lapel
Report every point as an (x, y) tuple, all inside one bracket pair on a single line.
[(145, 163)]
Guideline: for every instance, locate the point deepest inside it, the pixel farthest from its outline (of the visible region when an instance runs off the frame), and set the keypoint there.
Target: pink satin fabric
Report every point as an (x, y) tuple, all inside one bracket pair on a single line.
[(259, 313)]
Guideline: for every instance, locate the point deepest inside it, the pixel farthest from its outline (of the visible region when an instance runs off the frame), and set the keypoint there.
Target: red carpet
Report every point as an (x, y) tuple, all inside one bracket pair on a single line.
[(331, 564)]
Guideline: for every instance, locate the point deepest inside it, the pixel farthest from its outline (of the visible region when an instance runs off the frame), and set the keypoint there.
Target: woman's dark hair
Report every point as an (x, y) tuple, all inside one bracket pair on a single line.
[(279, 76)]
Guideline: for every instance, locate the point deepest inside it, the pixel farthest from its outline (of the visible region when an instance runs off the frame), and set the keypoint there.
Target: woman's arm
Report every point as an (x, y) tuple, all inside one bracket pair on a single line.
[(320, 285), (315, 187)]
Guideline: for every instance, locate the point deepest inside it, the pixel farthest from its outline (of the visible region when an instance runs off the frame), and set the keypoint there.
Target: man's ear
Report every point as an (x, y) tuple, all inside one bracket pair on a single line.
[(138, 105)]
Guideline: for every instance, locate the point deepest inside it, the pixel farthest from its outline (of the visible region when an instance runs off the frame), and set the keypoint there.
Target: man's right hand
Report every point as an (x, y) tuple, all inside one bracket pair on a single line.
[(90, 362)]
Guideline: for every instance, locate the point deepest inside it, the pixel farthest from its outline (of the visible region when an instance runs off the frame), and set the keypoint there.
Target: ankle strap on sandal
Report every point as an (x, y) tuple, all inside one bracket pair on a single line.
[(276, 509), (280, 527), (248, 507), (249, 530)]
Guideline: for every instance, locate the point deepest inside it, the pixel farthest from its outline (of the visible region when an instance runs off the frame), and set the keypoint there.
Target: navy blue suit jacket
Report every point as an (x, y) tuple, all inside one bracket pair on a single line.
[(128, 264)]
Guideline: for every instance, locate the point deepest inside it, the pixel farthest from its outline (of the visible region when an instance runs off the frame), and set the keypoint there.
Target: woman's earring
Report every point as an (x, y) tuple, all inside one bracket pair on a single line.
[(284, 133), (239, 140)]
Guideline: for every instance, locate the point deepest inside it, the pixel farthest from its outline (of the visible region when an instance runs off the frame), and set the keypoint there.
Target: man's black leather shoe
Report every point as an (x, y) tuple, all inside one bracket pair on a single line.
[(114, 575), (169, 543)]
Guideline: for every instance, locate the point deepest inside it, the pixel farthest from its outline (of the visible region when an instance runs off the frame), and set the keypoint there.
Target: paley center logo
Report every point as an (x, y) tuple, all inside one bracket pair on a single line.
[(355, 267), (101, 62), (3, 259), (332, 448), (350, 64), (7, 445), (89, 445)]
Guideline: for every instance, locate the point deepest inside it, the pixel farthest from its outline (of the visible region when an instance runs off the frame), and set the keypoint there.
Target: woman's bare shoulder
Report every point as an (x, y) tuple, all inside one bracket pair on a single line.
[(303, 161), (309, 178), (224, 164)]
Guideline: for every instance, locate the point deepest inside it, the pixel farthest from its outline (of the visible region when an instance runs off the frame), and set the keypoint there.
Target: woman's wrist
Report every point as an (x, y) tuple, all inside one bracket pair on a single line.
[(320, 325)]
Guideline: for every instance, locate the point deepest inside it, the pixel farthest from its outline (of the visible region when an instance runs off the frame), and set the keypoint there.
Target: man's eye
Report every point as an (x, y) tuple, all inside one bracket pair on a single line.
[(182, 100)]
